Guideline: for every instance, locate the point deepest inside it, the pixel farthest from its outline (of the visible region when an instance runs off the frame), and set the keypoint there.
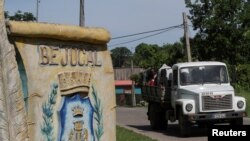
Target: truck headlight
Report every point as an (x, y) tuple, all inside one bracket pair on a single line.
[(240, 104), (189, 107)]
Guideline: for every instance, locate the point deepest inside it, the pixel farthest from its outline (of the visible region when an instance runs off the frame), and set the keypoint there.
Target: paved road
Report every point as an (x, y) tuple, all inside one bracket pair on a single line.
[(136, 120)]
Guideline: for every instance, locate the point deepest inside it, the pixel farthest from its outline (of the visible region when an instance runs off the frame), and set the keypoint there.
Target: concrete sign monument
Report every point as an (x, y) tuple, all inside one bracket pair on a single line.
[(56, 83)]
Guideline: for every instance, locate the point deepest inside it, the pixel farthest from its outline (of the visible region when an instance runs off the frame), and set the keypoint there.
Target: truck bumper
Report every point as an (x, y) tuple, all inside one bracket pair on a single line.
[(216, 116)]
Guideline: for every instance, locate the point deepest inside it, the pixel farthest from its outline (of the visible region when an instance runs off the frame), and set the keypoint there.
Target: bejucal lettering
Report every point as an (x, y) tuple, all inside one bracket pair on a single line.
[(72, 56)]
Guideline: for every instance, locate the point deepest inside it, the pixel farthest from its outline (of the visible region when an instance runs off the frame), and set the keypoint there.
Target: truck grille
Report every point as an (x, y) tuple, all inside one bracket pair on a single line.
[(216, 102)]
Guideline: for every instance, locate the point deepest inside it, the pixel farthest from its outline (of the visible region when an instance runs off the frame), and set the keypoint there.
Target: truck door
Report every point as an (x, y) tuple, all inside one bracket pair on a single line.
[(174, 87)]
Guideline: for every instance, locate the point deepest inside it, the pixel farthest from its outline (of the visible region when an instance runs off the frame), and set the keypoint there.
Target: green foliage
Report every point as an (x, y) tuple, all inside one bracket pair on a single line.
[(243, 76), (223, 34), (153, 56), (220, 30), (123, 134), (175, 53), (137, 78), (121, 57), (20, 16), (98, 115), (146, 56), (48, 108), (149, 56)]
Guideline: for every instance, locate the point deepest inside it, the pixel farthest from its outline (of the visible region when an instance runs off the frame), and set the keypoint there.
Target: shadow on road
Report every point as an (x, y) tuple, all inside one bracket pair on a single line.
[(173, 130)]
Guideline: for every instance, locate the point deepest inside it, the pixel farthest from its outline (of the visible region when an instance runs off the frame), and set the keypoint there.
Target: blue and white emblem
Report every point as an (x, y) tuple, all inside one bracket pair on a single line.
[(76, 119)]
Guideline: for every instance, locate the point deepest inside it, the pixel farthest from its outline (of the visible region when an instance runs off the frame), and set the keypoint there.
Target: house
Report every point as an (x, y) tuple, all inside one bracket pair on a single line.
[(123, 86)]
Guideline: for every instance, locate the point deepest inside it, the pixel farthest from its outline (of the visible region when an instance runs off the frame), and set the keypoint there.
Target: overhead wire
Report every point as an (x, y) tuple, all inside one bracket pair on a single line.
[(159, 31), (145, 32)]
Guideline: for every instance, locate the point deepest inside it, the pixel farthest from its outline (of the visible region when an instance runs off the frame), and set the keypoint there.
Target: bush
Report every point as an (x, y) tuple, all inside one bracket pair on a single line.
[(240, 76)]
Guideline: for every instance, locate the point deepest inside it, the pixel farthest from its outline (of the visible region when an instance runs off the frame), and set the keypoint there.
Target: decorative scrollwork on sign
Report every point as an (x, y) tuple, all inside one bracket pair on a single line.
[(48, 108), (72, 82)]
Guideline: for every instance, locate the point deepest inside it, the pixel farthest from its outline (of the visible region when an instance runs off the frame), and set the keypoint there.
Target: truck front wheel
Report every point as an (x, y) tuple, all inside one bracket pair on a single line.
[(184, 125)]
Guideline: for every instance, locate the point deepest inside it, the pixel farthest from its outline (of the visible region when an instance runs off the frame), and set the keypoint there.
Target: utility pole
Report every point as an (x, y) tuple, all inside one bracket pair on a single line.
[(37, 9), (186, 37), (133, 85), (82, 16)]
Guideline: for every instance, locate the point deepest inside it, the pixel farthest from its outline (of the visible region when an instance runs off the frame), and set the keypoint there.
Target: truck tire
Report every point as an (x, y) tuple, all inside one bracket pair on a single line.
[(237, 121), (184, 124), (157, 117)]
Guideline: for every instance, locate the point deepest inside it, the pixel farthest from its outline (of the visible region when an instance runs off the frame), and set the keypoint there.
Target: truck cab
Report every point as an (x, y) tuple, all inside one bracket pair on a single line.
[(200, 93)]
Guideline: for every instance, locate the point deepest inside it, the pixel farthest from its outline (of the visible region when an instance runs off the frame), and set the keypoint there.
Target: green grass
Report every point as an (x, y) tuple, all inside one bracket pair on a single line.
[(123, 134), (245, 94)]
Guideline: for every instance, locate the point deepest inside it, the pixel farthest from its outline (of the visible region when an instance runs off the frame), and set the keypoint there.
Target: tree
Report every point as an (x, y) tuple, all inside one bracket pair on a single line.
[(220, 29), (121, 57), (153, 56), (146, 56), (175, 53), (19, 16), (223, 34)]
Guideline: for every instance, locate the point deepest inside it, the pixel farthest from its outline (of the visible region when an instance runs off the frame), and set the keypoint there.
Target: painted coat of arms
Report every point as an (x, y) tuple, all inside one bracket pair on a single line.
[(76, 120), (76, 114)]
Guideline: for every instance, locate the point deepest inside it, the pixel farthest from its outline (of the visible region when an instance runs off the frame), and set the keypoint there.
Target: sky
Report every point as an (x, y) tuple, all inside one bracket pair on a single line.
[(119, 17)]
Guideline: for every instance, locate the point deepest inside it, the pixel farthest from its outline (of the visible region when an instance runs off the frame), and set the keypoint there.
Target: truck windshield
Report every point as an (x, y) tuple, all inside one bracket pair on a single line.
[(203, 75)]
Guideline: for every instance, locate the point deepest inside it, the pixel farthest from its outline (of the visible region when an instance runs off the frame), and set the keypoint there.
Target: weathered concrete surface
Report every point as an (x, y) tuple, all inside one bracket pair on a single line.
[(60, 32), (65, 80), (56, 83), (13, 125)]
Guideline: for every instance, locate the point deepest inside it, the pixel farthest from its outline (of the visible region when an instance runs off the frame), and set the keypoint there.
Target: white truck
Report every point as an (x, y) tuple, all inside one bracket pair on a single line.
[(192, 93)]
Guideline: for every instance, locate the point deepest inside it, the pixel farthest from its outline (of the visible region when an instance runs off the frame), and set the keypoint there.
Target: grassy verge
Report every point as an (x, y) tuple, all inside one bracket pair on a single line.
[(123, 134), (245, 94)]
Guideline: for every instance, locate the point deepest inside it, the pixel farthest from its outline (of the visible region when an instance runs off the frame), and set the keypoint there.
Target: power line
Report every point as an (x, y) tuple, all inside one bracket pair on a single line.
[(144, 37), (166, 29), (135, 34)]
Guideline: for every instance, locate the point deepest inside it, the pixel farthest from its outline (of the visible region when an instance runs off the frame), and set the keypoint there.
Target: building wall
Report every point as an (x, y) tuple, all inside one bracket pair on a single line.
[(125, 73), (123, 93)]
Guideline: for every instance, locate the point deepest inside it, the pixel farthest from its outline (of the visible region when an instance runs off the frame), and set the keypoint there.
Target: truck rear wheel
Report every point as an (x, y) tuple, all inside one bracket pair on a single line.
[(237, 121), (157, 117), (184, 125)]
